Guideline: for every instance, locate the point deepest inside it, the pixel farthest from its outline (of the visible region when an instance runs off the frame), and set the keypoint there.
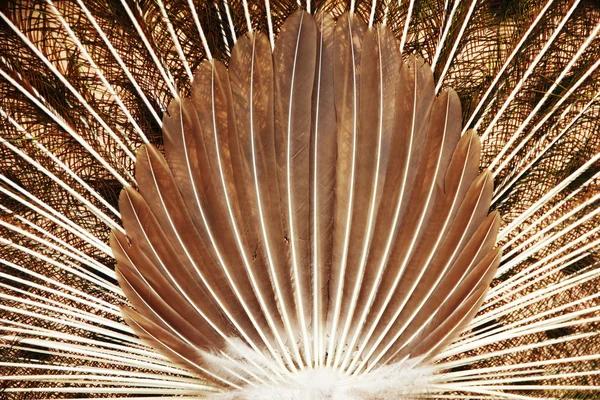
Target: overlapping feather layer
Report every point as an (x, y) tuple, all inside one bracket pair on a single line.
[(317, 211)]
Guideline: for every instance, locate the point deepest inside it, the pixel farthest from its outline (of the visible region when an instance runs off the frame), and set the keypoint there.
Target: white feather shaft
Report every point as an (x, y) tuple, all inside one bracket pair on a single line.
[(534, 113), (86, 203), (516, 50), (457, 40), (528, 72), (119, 60), (57, 161), (161, 68), (66, 127), (549, 195), (98, 71), (68, 85)]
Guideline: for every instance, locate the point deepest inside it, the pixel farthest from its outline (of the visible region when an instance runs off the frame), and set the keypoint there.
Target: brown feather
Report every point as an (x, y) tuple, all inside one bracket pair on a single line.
[(157, 185), (184, 355), (323, 151), (295, 65), (218, 127), (420, 265), (147, 290), (347, 50), (185, 151)]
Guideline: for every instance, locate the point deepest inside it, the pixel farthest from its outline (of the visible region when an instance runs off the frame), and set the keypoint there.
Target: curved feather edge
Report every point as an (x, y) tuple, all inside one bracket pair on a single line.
[(317, 216)]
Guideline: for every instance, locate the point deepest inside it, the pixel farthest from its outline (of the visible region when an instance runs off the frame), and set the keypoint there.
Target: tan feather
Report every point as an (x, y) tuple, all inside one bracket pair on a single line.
[(458, 309), (347, 50), (433, 254), (294, 61), (184, 149), (469, 217), (183, 354), (212, 84), (157, 184), (323, 152)]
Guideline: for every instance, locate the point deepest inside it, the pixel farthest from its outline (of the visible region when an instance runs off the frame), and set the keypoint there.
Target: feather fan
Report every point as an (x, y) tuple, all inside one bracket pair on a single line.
[(306, 210)]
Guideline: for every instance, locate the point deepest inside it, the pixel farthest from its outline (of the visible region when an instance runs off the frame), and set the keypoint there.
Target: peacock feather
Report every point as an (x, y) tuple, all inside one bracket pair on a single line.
[(313, 200)]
